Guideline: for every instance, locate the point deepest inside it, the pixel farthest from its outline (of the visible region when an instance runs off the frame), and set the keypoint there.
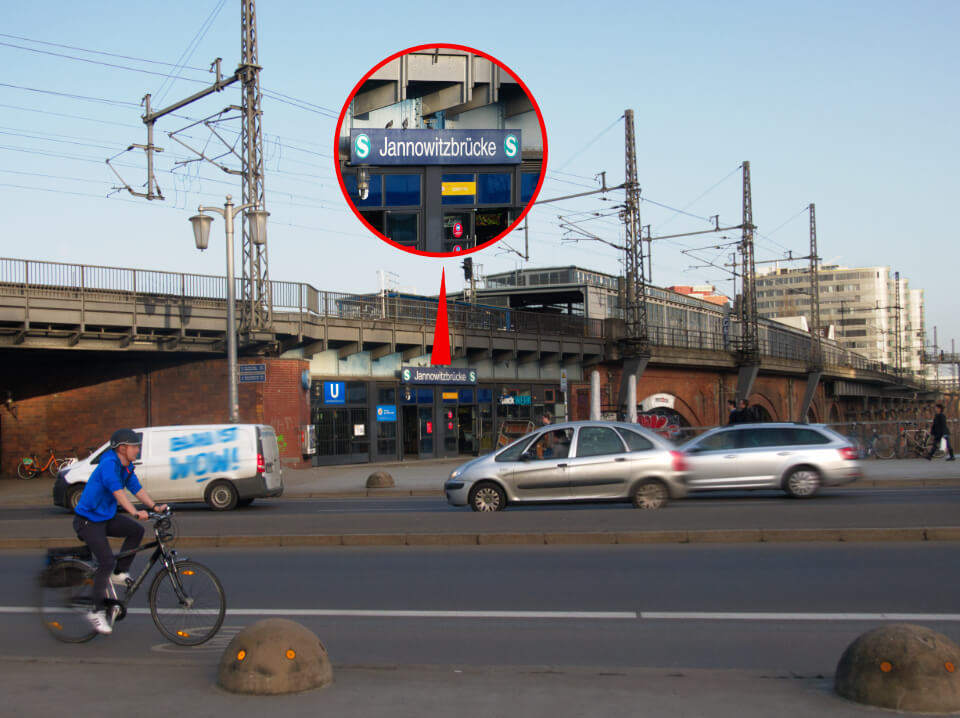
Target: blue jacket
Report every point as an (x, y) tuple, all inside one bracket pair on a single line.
[(97, 502)]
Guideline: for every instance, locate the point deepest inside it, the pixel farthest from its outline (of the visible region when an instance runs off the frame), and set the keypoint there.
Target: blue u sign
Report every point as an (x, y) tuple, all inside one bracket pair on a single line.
[(334, 392)]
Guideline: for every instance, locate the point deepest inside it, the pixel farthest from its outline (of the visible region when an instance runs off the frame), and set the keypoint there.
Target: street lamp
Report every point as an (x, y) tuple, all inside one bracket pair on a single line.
[(258, 235)]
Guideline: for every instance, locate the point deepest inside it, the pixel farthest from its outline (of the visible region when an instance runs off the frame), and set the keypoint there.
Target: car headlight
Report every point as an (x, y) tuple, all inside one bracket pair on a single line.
[(455, 473)]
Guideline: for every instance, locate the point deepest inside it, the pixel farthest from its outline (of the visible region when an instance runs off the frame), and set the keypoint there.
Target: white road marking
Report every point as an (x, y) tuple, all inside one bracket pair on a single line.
[(772, 616), (577, 615)]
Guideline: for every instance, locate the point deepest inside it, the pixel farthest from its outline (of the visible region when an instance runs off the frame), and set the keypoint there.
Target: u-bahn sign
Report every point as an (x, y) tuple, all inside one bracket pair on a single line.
[(437, 375), (370, 146)]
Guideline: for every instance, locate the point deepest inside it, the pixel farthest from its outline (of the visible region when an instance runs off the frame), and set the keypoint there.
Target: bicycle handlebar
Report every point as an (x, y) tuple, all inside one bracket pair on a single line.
[(160, 515)]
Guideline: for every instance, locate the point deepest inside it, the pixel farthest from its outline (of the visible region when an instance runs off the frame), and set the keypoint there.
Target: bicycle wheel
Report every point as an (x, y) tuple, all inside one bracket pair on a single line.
[(27, 469), (884, 447), (65, 597), (198, 617)]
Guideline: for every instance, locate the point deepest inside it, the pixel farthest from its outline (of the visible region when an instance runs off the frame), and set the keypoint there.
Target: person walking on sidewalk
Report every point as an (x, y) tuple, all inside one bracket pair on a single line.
[(939, 432), (96, 517)]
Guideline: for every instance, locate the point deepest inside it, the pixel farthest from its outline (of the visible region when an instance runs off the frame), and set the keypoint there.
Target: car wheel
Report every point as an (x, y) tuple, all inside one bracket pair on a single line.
[(221, 496), (650, 494), (802, 482), (487, 497), (73, 497)]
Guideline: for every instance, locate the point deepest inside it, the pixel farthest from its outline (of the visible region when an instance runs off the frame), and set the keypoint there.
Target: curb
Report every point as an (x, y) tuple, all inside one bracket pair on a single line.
[(25, 502), (846, 535)]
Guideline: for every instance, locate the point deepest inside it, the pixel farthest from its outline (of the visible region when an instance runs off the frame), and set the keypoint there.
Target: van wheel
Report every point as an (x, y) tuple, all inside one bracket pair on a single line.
[(221, 496), (73, 497), (649, 494)]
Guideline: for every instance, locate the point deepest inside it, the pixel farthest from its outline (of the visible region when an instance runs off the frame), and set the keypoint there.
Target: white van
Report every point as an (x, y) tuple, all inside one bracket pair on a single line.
[(224, 465)]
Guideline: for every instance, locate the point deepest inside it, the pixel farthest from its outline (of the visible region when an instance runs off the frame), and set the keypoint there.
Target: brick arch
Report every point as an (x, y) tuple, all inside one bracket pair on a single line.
[(680, 405), (762, 400), (834, 414)]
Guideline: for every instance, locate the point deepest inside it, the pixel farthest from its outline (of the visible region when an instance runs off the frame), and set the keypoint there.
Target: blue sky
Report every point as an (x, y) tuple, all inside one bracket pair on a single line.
[(850, 105)]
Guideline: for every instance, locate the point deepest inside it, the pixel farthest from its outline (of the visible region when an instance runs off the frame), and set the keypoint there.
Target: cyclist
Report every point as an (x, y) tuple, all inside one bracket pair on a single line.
[(96, 517)]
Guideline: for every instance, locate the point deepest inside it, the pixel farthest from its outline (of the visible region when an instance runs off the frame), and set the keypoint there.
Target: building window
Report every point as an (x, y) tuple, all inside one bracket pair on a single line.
[(376, 190), (459, 189), (402, 227), (494, 188), (528, 184), (402, 190)]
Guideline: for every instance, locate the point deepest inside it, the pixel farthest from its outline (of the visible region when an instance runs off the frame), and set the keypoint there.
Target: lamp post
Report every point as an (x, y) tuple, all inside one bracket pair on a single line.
[(258, 235)]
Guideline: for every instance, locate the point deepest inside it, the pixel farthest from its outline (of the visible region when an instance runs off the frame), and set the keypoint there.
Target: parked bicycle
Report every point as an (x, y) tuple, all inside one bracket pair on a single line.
[(29, 466), (918, 441), (186, 600), (880, 446)]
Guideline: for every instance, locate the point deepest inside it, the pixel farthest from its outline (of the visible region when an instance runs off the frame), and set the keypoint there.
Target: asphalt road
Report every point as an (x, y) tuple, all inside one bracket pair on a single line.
[(838, 508), (788, 609)]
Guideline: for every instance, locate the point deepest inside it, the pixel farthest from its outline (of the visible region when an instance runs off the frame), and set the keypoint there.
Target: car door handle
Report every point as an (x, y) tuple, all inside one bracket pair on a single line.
[(622, 458), (561, 466), (730, 456), (784, 453)]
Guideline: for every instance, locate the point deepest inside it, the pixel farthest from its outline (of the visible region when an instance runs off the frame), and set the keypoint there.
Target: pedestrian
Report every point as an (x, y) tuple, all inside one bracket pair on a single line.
[(745, 413), (939, 432), (546, 418), (731, 412)]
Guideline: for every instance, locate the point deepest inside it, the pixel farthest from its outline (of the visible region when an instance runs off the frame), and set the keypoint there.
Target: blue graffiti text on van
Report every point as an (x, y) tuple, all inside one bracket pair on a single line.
[(203, 438), (204, 464)]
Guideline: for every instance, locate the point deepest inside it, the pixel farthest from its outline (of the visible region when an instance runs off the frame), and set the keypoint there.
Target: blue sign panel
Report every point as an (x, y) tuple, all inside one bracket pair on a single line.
[(386, 412), (437, 375), (334, 392), (248, 378), (252, 368), (369, 146)]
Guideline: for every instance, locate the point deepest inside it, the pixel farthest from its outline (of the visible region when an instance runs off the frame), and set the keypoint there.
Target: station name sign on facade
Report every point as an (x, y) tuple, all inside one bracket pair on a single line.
[(370, 146), (437, 375)]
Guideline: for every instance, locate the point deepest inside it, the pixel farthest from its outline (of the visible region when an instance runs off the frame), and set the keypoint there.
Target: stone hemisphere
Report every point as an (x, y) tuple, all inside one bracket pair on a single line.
[(380, 480), (903, 667), (274, 656)]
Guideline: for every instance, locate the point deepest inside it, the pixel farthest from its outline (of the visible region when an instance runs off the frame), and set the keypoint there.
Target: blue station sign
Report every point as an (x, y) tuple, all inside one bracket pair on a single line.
[(386, 412), (334, 392), (437, 375), (369, 146)]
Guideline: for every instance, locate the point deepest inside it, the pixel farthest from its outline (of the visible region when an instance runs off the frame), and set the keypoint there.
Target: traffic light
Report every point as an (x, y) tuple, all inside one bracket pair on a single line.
[(467, 268)]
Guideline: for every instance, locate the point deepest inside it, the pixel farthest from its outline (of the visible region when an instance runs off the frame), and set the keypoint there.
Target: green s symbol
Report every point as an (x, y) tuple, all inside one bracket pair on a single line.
[(361, 146), (510, 146)]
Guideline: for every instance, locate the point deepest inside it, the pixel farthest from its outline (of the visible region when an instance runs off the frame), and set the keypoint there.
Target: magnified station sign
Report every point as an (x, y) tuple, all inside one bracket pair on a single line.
[(434, 147)]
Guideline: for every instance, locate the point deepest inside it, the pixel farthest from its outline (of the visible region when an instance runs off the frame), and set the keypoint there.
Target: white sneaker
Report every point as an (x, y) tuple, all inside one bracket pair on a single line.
[(120, 579), (98, 619)]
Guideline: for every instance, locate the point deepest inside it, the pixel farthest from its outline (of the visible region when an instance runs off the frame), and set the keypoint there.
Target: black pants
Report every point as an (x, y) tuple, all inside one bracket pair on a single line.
[(94, 534), (936, 444)]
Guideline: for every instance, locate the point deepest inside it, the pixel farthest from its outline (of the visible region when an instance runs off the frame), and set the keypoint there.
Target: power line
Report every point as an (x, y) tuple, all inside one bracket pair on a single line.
[(97, 52), (187, 53), (591, 142)]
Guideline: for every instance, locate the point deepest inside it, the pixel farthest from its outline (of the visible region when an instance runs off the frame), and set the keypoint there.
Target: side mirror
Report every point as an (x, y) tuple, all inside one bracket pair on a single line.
[(526, 456)]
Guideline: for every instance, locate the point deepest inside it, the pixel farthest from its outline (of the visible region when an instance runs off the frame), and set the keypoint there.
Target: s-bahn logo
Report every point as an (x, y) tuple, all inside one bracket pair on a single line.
[(406, 375), (361, 146), (510, 145)]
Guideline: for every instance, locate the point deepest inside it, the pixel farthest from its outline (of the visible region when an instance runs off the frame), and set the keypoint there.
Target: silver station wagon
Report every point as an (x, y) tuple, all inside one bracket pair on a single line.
[(575, 461), (797, 458)]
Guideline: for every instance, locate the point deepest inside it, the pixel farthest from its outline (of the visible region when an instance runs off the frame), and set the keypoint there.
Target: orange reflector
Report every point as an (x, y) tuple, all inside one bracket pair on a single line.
[(886, 667), (949, 666), (56, 624), (183, 634), (187, 572), (291, 654), (241, 655)]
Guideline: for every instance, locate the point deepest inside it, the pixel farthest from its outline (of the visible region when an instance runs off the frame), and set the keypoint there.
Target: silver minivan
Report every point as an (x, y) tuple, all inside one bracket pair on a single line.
[(797, 458), (574, 461)]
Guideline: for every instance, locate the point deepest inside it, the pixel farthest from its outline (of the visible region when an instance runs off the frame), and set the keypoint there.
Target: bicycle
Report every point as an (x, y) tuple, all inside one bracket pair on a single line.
[(917, 440), (29, 466), (187, 602), (881, 446)]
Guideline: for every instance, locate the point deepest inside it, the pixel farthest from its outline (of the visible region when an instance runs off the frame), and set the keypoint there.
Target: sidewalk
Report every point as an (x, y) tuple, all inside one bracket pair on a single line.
[(41, 687), (426, 477)]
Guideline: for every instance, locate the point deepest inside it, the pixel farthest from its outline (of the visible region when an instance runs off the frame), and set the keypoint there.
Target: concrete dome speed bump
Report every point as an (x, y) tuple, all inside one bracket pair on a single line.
[(272, 657), (903, 667), (379, 480)]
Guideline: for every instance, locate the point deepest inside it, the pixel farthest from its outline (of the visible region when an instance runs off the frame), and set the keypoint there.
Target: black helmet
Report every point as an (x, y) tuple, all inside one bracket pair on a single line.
[(125, 436)]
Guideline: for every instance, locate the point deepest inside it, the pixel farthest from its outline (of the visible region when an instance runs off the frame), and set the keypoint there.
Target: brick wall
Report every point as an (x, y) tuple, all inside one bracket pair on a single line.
[(76, 401)]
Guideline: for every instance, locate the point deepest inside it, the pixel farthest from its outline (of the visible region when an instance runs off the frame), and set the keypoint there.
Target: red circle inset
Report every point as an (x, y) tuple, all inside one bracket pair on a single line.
[(457, 230), (464, 48)]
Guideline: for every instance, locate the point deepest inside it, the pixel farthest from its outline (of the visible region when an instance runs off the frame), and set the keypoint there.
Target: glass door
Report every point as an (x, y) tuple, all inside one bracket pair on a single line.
[(427, 430)]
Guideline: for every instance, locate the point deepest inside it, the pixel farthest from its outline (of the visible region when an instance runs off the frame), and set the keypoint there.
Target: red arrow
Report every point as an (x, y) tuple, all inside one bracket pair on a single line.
[(440, 356)]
